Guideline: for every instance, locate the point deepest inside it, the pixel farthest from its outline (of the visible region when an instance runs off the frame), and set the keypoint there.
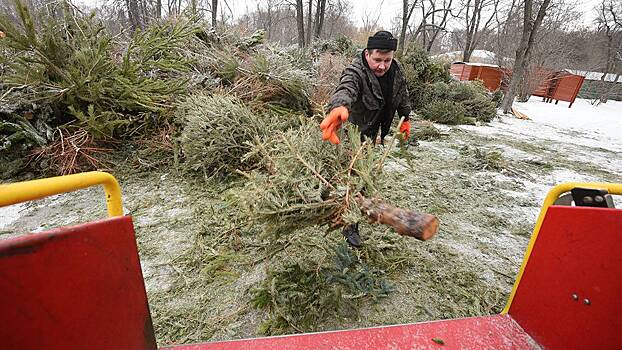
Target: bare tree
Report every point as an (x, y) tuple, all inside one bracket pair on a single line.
[(530, 29), (320, 13), (338, 22), (476, 10), (433, 22), (133, 13), (370, 19), (158, 9), (506, 32), (300, 22), (214, 12), (407, 11), (610, 26), (308, 29)]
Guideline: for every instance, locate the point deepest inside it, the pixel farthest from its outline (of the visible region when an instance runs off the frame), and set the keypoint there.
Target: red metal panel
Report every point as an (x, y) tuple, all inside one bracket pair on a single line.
[(77, 287), (576, 257), (490, 332), (491, 76), (568, 87), (456, 70)]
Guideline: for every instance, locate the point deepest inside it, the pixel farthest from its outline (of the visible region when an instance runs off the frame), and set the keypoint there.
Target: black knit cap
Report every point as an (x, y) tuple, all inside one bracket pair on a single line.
[(382, 40)]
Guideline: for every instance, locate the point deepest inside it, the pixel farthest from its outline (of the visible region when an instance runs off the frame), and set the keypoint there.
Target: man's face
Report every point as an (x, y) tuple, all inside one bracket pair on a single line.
[(379, 62)]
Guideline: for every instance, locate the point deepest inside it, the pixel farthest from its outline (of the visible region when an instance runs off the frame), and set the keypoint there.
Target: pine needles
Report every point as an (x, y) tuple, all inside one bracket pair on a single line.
[(300, 297), (71, 153), (70, 63), (218, 132), (309, 182)]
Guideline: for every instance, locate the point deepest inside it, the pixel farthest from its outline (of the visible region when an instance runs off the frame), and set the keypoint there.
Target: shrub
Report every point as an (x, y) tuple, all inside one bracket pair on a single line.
[(466, 90), (426, 131), (421, 73), (215, 129), (497, 97), (444, 112), (480, 107)]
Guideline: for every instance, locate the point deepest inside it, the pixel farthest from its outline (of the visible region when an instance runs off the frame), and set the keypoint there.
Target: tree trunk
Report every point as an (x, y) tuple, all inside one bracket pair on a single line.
[(320, 12), (309, 15), (604, 94), (530, 28), (158, 9), (133, 13), (405, 222), (470, 29), (407, 12), (300, 23), (214, 12)]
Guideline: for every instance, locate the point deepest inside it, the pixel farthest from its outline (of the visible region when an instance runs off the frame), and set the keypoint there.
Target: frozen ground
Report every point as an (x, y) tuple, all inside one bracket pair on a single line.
[(487, 206)]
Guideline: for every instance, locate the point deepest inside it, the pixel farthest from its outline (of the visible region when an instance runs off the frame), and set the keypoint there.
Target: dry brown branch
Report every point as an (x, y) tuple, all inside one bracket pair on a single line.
[(72, 152)]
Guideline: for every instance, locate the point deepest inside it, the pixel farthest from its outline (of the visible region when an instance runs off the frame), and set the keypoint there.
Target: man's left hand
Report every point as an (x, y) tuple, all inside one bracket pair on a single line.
[(405, 128)]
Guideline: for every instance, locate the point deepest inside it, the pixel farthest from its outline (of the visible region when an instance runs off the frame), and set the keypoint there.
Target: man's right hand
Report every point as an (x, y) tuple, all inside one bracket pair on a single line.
[(332, 123)]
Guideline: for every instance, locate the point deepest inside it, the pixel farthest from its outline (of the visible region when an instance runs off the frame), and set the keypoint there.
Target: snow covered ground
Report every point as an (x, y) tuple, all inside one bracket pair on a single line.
[(585, 135), (487, 217), (598, 126), (589, 133)]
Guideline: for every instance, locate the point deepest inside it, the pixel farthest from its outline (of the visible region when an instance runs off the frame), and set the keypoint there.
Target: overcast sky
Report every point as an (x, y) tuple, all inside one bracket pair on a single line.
[(390, 9)]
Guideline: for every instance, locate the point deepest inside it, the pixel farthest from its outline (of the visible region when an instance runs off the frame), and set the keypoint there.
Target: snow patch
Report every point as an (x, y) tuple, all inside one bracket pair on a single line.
[(10, 214)]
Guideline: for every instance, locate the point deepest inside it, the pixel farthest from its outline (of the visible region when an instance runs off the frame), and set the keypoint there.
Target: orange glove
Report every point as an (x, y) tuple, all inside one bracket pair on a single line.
[(405, 128), (332, 123)]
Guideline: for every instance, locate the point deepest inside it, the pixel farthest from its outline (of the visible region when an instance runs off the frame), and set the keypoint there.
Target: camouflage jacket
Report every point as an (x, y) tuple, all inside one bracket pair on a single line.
[(360, 92)]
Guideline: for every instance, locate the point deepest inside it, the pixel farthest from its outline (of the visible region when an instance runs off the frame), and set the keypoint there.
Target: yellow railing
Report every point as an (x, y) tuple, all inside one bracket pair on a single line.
[(30, 190), (551, 197)]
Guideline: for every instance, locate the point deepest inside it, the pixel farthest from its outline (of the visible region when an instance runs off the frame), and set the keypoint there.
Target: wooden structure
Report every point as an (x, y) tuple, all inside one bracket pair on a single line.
[(559, 86), (491, 75)]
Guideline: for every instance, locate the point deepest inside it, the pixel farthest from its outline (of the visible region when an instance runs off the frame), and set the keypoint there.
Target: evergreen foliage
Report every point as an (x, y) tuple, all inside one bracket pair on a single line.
[(469, 100), (445, 112), (421, 74), (434, 95), (341, 45), (309, 181), (426, 131), (69, 63), (217, 131), (299, 297)]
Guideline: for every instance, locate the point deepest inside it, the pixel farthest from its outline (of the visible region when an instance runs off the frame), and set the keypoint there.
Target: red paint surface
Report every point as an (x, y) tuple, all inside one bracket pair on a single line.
[(568, 87), (77, 287), (492, 77), (578, 251), (490, 332)]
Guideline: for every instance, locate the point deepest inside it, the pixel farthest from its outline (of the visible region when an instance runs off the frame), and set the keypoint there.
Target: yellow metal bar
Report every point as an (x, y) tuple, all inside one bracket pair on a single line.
[(30, 190), (551, 197)]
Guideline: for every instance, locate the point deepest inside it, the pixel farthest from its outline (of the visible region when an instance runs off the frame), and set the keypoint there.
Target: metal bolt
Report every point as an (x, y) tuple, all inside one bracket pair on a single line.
[(586, 301), (588, 199), (599, 199), (575, 297)]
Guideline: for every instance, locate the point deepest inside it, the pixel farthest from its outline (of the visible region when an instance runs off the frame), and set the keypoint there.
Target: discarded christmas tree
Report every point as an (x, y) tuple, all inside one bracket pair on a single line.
[(310, 182)]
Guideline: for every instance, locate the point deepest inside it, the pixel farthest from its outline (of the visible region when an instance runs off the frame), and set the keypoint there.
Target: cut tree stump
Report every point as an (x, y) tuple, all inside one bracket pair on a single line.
[(405, 222)]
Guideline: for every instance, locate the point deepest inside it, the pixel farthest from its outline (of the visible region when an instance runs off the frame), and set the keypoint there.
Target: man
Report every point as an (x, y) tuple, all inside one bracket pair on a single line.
[(371, 89)]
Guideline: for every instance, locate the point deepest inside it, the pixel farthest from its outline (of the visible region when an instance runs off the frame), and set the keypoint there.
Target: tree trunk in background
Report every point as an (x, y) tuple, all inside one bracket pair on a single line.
[(133, 13), (320, 12), (309, 16), (158, 9), (437, 28), (530, 28), (300, 22), (214, 12), (407, 12), (473, 30)]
